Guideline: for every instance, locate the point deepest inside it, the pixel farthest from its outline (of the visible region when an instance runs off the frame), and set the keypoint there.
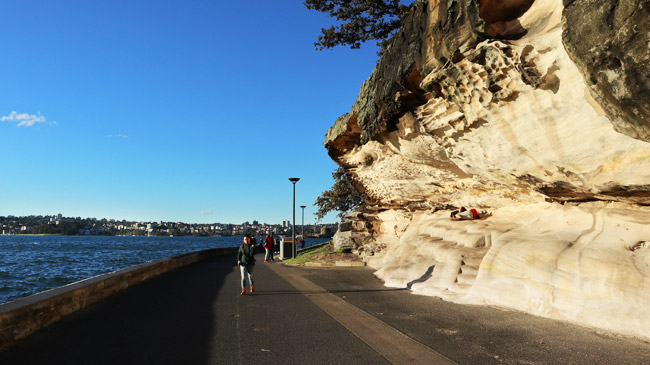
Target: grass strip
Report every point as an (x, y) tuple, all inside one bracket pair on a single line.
[(312, 254)]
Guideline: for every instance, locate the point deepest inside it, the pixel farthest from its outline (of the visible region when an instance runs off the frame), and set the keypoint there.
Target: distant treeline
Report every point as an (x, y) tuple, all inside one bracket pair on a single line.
[(64, 228)]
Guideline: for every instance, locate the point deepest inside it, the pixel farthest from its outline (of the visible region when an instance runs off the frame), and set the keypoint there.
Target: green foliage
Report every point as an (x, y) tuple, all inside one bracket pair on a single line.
[(360, 21), (66, 228), (341, 197)]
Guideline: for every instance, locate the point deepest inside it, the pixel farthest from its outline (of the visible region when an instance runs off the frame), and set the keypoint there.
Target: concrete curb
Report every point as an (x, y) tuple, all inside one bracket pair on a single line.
[(310, 248), (23, 316), (319, 264), (337, 263), (350, 263)]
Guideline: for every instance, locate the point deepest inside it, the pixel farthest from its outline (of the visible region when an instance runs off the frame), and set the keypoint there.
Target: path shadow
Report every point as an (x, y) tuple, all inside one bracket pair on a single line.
[(165, 320)]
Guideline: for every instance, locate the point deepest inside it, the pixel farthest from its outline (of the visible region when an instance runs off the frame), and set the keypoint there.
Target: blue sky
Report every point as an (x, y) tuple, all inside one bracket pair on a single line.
[(193, 111)]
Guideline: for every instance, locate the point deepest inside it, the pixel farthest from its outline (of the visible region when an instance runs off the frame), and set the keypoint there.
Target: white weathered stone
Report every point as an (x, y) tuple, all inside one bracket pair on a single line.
[(512, 151), (587, 263)]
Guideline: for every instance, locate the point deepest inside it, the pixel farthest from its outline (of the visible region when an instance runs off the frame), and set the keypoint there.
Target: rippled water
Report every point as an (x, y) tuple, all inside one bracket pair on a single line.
[(32, 264)]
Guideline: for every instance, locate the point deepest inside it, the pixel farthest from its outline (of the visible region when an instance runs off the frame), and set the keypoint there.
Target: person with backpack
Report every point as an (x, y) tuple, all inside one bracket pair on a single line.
[(268, 247), (246, 262)]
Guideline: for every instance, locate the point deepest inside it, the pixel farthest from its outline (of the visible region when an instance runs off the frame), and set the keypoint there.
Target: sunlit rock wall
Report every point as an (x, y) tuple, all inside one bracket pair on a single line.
[(533, 110)]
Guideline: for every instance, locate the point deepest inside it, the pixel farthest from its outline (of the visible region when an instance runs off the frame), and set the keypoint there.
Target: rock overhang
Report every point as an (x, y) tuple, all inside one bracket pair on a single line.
[(493, 105)]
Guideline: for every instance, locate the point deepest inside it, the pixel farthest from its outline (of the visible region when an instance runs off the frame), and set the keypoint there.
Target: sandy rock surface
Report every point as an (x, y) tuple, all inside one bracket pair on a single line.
[(491, 107)]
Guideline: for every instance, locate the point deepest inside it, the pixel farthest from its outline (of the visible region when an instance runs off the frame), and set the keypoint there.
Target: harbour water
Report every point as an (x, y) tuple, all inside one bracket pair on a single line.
[(32, 264)]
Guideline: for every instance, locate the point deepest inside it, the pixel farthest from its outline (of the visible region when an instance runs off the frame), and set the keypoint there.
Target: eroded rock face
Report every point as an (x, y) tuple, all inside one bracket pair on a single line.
[(610, 42), (502, 106), (589, 263)]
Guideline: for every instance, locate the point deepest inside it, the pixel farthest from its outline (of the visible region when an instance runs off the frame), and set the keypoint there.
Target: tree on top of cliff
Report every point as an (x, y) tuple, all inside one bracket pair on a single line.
[(361, 21), (341, 197)]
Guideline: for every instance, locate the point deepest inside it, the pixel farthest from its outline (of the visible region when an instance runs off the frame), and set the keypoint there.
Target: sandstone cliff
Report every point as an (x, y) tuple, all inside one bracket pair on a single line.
[(537, 111)]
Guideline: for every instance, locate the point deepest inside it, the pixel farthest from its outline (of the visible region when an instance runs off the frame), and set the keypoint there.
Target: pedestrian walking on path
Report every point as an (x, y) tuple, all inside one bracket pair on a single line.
[(246, 262), (268, 246), (276, 244)]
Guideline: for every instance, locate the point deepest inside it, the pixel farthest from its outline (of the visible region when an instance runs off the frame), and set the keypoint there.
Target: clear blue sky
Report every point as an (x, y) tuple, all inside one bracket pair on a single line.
[(193, 111)]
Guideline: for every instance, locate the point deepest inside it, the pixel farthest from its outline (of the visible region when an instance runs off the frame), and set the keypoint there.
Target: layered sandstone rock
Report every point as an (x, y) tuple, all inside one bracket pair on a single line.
[(536, 111)]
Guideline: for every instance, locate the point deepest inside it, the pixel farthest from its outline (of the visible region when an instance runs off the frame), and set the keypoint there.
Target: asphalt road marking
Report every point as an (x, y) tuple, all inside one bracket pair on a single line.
[(392, 344)]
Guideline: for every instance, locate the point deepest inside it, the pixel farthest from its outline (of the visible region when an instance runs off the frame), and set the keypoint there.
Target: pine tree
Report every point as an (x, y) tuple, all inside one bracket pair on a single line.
[(341, 197), (362, 20)]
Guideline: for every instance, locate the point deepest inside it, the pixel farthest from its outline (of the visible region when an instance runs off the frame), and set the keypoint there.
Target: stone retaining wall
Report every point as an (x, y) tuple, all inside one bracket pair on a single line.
[(24, 316)]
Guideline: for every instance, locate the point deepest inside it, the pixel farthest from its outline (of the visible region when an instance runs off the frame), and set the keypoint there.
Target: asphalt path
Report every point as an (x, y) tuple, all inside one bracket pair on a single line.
[(195, 315)]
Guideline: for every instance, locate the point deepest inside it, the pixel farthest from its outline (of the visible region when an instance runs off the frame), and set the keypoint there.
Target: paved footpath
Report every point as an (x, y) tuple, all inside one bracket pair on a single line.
[(195, 315)]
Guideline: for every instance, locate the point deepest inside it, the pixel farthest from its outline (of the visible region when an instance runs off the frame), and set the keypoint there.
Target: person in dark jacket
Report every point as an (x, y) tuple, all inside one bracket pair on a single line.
[(246, 262)]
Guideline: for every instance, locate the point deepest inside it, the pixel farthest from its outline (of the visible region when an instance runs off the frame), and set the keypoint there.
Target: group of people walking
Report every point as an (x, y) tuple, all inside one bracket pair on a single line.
[(246, 256)]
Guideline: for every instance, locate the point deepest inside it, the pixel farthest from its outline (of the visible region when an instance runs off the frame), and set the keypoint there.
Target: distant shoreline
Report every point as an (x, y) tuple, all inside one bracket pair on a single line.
[(129, 235)]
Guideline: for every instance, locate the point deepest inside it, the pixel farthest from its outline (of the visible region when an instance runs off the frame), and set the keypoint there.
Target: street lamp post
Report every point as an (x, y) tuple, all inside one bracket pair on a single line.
[(302, 227), (294, 180)]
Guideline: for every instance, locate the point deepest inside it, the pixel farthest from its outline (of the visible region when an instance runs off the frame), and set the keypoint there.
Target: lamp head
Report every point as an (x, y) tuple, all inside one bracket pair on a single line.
[(294, 179), (303, 206)]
